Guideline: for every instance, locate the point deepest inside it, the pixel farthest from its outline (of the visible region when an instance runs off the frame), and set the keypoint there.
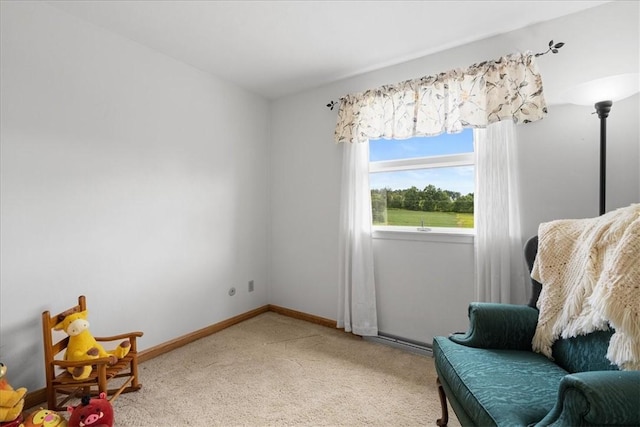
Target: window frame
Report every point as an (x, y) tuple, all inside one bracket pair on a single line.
[(420, 163), (416, 163)]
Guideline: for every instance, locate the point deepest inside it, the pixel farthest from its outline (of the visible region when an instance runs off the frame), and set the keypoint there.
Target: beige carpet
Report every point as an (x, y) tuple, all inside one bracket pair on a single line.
[(273, 370)]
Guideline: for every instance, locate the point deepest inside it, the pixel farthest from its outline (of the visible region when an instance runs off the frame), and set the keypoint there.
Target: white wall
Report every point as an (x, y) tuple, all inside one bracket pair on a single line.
[(128, 177), (561, 167), (559, 156), (423, 287)]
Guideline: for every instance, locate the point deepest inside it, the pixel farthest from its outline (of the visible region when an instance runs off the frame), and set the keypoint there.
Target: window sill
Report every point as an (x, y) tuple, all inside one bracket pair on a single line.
[(432, 234)]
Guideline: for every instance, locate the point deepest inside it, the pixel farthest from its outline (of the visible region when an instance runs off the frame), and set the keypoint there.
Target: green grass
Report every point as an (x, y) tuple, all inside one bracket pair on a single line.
[(431, 219)]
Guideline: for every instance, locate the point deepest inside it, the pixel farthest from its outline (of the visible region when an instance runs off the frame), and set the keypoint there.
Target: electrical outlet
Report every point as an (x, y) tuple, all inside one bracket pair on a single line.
[(250, 285), (232, 292)]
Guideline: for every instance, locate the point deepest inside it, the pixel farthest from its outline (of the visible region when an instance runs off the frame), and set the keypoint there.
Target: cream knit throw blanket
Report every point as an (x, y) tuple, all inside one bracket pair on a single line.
[(590, 275)]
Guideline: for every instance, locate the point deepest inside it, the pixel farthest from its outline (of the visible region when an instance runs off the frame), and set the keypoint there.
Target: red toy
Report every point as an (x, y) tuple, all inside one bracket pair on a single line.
[(15, 423), (91, 413)]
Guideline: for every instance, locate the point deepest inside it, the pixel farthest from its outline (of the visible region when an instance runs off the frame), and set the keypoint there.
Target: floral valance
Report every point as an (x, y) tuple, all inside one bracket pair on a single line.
[(484, 93)]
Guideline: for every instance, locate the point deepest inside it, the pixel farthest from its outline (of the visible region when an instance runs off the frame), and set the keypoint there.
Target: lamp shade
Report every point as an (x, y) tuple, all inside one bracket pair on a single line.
[(613, 88)]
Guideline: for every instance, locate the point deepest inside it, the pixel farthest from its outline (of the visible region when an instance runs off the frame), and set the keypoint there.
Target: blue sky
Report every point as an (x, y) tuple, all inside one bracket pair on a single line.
[(459, 178)]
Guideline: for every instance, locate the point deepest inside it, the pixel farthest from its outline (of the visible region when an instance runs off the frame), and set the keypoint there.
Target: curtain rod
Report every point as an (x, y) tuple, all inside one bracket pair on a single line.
[(553, 48)]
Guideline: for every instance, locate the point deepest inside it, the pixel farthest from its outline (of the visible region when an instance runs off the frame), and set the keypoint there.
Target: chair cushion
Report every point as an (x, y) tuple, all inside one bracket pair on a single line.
[(498, 387), (584, 352)]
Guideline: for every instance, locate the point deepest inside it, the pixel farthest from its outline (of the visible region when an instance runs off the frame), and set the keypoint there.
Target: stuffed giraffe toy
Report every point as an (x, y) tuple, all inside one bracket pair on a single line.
[(83, 346)]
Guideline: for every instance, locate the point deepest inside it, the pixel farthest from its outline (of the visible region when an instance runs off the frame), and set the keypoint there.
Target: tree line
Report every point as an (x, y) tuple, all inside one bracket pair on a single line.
[(431, 199)]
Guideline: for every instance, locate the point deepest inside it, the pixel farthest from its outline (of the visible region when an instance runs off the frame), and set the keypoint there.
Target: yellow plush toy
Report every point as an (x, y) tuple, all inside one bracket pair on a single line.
[(83, 346), (44, 418), (11, 401)]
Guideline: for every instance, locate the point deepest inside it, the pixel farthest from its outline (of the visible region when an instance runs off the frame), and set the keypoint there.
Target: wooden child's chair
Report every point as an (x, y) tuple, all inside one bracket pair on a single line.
[(122, 376)]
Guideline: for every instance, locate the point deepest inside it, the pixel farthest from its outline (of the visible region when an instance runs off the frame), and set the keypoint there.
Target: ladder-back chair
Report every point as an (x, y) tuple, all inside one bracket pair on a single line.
[(121, 376)]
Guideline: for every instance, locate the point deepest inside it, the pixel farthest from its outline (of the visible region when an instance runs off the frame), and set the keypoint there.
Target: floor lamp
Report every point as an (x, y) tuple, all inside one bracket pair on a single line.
[(602, 93)]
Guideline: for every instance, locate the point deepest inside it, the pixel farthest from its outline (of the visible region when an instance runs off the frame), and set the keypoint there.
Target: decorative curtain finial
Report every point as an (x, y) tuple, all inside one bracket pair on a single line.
[(553, 48), (332, 104)]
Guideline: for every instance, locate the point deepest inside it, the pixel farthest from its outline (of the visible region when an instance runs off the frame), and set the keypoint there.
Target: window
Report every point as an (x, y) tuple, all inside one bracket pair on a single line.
[(423, 182)]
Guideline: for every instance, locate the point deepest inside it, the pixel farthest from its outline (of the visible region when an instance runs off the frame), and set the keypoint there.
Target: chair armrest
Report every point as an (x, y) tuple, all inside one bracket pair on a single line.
[(602, 398), (128, 335), (499, 326), (131, 336)]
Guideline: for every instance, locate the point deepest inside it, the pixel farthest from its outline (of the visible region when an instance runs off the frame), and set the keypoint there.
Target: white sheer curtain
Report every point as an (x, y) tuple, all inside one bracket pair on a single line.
[(498, 244), (357, 295)]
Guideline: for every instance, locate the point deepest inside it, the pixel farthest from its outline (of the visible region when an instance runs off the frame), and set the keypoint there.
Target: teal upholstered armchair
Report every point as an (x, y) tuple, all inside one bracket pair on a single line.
[(491, 376)]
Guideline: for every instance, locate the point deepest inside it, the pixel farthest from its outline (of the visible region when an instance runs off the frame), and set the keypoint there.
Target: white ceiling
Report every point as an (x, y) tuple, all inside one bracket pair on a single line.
[(276, 48)]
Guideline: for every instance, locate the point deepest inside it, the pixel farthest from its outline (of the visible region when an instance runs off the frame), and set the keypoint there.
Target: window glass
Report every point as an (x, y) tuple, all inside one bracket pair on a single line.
[(424, 181)]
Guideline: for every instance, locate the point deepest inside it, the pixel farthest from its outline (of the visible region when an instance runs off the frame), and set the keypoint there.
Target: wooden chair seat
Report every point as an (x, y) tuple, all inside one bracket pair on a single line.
[(113, 371), (112, 379)]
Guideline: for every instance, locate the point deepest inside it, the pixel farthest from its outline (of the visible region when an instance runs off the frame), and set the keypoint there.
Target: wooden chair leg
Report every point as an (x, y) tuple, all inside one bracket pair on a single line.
[(134, 372), (442, 422)]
